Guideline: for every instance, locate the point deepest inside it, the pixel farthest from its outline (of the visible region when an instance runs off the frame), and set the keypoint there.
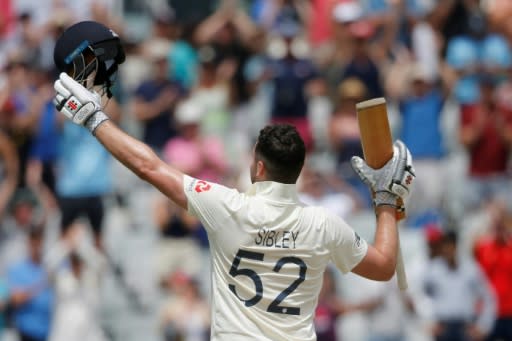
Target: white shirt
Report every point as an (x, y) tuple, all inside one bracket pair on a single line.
[(269, 252), (456, 293)]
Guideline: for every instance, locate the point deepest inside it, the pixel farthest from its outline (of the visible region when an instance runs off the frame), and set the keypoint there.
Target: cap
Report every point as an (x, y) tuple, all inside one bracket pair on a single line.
[(157, 49), (347, 12), (188, 112)]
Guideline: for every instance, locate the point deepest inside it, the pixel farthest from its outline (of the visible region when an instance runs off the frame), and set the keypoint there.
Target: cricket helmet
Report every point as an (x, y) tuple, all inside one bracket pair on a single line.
[(87, 47)]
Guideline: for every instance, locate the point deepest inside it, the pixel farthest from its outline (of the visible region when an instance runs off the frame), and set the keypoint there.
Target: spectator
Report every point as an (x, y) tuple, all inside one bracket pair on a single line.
[(295, 80), (494, 253), (212, 91), (185, 315), (30, 296), (75, 269), (15, 227), (362, 65), (344, 136), (462, 299), (327, 191), (486, 134), (84, 178), (177, 249), (192, 152), (155, 98), (421, 101), (328, 309), (229, 30)]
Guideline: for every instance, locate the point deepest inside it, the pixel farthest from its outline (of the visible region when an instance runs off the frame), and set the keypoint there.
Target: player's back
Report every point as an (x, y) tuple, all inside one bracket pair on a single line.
[(269, 253)]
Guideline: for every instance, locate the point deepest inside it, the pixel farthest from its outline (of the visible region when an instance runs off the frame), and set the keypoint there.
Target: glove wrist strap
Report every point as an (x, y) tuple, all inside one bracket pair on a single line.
[(385, 198), (95, 120)]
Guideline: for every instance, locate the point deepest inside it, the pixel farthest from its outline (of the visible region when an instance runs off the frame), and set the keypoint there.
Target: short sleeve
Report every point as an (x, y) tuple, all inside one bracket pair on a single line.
[(210, 202), (347, 248)]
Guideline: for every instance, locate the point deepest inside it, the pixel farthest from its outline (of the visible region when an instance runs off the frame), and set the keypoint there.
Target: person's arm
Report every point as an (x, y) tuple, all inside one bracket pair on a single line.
[(389, 183), (10, 160), (141, 160), (380, 261), (83, 107)]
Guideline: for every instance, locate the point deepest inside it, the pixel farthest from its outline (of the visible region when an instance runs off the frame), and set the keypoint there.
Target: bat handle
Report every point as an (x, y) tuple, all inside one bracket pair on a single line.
[(400, 270)]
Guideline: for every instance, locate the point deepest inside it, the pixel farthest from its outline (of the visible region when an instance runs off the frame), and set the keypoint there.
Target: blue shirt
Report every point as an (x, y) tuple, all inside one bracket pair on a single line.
[(83, 164), (421, 124), (183, 62), (34, 317), (159, 129), (46, 140)]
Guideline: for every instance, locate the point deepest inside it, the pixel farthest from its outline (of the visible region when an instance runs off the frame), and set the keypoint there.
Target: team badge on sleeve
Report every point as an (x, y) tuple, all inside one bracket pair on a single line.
[(202, 186)]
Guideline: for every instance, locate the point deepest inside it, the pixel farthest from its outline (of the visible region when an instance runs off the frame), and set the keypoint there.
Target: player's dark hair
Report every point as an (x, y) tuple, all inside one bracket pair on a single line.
[(282, 150)]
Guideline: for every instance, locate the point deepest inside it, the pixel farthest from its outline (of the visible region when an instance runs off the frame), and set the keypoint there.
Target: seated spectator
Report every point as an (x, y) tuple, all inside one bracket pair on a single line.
[(31, 297), (185, 315), (464, 306)]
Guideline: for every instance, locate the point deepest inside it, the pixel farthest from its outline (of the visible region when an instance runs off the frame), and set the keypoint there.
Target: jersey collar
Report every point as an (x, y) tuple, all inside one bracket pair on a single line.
[(275, 191)]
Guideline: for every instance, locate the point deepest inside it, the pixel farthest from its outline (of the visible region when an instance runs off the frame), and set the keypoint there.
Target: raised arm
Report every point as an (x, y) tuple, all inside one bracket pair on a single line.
[(83, 107), (388, 183)]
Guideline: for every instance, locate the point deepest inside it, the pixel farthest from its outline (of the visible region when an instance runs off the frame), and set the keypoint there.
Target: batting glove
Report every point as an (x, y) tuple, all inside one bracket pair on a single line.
[(390, 182), (78, 104)]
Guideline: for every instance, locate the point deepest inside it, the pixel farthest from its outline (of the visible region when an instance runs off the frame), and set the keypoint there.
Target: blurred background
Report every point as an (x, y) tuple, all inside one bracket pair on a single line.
[(90, 252)]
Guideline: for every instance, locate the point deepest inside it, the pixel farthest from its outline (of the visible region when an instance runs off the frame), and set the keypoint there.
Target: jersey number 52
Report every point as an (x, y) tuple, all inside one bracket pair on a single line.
[(275, 306)]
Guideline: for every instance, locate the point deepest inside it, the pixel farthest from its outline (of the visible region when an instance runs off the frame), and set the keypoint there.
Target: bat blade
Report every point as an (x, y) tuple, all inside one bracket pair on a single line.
[(377, 144)]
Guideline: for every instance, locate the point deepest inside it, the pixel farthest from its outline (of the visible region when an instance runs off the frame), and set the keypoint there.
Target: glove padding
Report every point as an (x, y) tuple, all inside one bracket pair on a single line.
[(393, 180), (77, 103)]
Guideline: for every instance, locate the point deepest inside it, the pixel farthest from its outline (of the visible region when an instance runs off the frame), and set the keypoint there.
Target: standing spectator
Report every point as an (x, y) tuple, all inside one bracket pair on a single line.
[(344, 135), (295, 80), (486, 133), (212, 91), (229, 30), (84, 178), (494, 253), (75, 268), (421, 101), (328, 309), (462, 299), (31, 298), (155, 98), (44, 147)]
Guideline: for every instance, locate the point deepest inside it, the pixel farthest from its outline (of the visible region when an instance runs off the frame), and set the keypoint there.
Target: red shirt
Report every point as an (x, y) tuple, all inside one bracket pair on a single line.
[(489, 155), (496, 261)]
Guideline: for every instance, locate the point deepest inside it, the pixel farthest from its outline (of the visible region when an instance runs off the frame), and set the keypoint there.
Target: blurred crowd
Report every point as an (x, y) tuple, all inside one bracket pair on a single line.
[(201, 78)]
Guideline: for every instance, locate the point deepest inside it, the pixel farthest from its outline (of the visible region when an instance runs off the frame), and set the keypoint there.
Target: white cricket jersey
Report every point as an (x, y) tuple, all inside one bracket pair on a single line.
[(269, 252)]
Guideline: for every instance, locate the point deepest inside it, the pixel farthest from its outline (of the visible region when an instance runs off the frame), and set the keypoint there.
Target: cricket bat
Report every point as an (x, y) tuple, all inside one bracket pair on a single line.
[(377, 146)]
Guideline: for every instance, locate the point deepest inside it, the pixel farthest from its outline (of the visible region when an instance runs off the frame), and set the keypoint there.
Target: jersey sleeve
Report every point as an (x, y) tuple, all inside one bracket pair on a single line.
[(210, 202), (347, 248)]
